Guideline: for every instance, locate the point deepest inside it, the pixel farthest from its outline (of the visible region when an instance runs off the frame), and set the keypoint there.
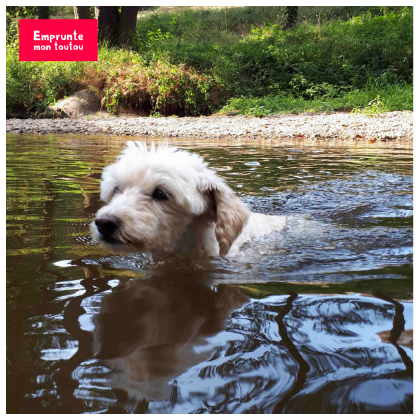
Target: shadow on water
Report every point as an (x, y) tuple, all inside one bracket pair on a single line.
[(316, 320)]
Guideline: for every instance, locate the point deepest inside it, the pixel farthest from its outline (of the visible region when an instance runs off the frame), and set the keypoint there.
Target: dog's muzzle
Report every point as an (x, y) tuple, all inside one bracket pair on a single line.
[(107, 226)]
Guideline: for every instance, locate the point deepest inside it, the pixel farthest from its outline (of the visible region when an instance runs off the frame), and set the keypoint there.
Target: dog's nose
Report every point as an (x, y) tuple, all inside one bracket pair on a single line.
[(107, 225)]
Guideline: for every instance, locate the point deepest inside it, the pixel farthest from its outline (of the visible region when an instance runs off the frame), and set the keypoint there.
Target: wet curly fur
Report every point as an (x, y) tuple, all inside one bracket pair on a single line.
[(164, 200)]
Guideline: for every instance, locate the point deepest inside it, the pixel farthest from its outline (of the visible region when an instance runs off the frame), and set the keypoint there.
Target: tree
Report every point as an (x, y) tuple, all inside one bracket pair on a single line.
[(108, 19), (81, 12), (127, 24), (113, 26), (43, 12), (289, 17)]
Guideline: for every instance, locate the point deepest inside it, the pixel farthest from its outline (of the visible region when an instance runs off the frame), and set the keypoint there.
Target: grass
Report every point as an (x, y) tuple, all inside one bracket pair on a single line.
[(198, 61), (377, 97)]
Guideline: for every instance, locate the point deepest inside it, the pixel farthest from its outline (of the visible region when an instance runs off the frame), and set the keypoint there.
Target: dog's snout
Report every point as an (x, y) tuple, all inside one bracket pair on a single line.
[(107, 225)]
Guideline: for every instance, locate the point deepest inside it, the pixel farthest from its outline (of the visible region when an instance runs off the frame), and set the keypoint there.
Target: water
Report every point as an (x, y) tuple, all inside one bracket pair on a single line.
[(317, 319)]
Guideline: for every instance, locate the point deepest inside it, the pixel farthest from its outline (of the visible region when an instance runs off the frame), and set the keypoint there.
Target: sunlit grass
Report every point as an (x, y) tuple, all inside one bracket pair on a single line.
[(375, 98)]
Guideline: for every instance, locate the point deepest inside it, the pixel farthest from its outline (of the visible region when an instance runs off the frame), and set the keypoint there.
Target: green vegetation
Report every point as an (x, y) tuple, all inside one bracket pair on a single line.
[(30, 12), (387, 96), (195, 61)]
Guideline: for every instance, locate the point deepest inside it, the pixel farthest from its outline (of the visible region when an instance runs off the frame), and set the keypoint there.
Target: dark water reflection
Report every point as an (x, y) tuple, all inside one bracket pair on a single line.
[(316, 320)]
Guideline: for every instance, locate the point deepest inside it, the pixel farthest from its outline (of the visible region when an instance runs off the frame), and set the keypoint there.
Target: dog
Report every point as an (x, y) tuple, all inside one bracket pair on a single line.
[(167, 201)]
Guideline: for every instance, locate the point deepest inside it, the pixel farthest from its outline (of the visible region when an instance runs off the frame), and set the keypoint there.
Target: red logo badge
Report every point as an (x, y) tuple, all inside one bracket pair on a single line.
[(58, 40)]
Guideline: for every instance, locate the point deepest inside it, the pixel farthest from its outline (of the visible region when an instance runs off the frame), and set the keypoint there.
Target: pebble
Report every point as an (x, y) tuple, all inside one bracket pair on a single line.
[(388, 126)]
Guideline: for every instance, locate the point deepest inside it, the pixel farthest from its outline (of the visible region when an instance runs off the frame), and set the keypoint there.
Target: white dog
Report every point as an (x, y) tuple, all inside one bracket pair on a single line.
[(167, 201)]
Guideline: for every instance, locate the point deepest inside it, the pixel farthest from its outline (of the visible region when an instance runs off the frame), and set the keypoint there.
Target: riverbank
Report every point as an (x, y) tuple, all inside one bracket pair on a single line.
[(387, 126), (198, 61)]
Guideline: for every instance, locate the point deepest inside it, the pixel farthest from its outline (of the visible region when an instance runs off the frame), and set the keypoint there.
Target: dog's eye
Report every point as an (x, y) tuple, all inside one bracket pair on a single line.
[(117, 190), (159, 194)]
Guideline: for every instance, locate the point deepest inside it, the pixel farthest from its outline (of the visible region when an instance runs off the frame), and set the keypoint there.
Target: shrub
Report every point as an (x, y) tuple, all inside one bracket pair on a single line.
[(158, 87)]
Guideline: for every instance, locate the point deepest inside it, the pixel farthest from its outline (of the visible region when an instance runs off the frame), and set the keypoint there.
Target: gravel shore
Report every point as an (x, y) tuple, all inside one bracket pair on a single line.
[(388, 126)]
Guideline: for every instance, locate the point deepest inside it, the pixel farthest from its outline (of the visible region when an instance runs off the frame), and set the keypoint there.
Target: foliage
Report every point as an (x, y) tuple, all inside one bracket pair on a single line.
[(32, 86), (268, 60), (26, 12), (376, 97), (159, 87), (31, 12), (192, 61)]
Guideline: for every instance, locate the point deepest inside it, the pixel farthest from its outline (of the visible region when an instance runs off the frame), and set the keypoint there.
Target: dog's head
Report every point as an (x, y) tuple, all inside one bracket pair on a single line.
[(152, 196)]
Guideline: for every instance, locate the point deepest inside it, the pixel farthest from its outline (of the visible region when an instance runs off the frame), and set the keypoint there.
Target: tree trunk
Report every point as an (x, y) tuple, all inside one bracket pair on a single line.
[(127, 24), (81, 12), (289, 17), (108, 18), (43, 12)]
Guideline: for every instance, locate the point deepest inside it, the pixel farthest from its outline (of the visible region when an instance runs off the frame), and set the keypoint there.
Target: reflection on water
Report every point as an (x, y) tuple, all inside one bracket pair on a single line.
[(315, 320)]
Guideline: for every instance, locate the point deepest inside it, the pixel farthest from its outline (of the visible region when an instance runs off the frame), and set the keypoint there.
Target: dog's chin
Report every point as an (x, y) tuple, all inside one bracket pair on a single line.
[(118, 246)]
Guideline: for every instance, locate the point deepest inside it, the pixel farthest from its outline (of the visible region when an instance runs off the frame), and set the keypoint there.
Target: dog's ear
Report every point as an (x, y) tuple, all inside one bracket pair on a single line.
[(229, 212)]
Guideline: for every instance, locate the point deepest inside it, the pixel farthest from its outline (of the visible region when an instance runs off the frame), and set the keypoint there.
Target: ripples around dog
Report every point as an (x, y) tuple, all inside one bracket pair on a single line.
[(317, 319)]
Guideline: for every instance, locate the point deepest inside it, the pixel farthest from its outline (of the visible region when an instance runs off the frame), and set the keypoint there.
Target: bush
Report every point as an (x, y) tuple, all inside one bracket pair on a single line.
[(339, 55), (158, 87)]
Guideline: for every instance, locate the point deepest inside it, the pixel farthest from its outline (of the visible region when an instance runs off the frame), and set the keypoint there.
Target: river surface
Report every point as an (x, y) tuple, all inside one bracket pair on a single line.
[(317, 319)]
